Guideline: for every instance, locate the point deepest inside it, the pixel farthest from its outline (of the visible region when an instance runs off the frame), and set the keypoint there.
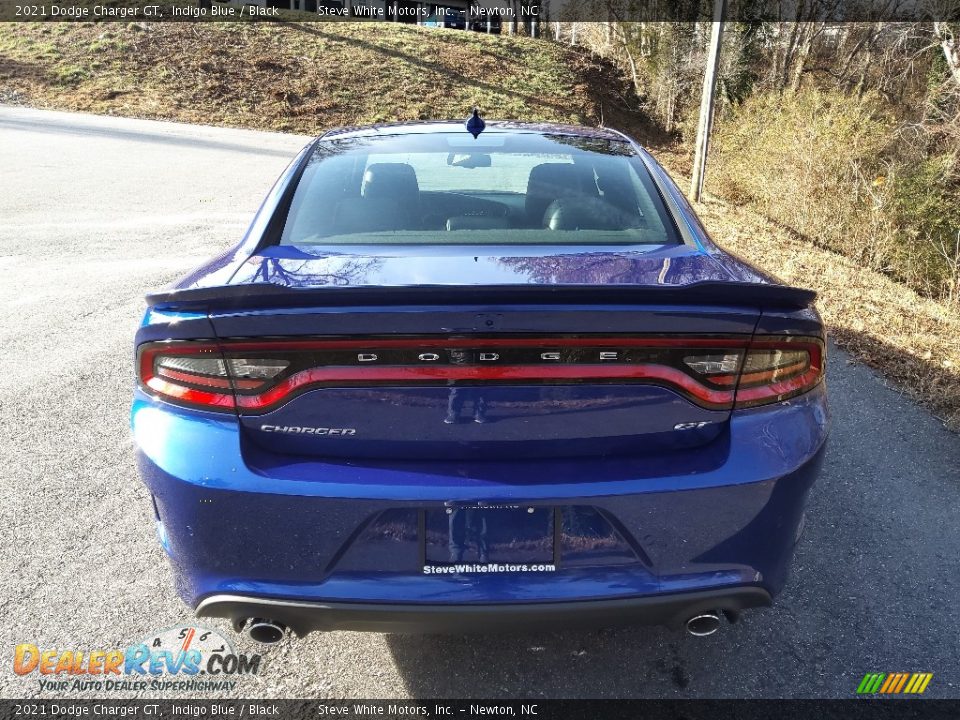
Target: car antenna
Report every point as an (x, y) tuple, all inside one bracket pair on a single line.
[(475, 123)]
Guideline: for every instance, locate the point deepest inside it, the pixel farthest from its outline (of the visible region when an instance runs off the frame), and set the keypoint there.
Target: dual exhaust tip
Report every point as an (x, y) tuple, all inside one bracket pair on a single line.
[(263, 631), (270, 632), (703, 624)]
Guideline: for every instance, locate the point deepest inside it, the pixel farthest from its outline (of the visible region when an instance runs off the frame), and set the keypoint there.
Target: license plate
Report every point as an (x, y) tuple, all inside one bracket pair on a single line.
[(496, 534)]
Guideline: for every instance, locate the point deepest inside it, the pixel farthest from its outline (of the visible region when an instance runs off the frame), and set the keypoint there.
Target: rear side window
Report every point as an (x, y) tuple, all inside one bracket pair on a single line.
[(449, 188)]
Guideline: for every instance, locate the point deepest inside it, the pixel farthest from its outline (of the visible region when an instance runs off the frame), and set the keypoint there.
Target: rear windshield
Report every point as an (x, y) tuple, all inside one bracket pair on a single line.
[(450, 188)]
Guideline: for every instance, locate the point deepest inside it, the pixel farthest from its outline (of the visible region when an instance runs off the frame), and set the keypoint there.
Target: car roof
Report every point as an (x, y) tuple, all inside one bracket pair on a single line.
[(493, 127)]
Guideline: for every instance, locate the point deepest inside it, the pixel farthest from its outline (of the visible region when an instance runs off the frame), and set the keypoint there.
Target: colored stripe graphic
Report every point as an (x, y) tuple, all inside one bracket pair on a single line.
[(901, 681), (918, 683), (894, 683), (871, 683)]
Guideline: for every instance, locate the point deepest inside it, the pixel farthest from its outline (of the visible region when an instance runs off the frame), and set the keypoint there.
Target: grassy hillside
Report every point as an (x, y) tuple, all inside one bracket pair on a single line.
[(304, 77)]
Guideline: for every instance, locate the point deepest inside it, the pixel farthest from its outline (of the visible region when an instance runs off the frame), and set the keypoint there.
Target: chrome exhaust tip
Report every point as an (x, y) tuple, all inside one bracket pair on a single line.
[(703, 624), (265, 632)]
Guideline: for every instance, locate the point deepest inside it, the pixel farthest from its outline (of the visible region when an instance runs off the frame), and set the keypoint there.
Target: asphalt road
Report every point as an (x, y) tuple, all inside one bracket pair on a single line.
[(96, 211)]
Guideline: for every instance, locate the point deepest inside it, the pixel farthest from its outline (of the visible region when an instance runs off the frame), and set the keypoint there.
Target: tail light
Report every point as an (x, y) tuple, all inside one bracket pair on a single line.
[(777, 369), (198, 374), (258, 376)]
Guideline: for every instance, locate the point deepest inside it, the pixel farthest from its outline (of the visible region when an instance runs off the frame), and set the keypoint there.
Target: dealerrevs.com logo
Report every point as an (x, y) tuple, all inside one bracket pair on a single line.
[(179, 658)]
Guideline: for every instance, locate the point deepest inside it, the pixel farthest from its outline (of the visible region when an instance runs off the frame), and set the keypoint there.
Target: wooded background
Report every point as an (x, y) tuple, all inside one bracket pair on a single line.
[(846, 133)]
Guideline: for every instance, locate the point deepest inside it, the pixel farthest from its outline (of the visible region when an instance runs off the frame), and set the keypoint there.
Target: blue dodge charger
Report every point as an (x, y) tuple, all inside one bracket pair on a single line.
[(459, 381)]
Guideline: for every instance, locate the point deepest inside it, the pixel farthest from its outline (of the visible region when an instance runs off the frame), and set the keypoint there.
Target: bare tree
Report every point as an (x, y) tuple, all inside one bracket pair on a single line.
[(951, 47)]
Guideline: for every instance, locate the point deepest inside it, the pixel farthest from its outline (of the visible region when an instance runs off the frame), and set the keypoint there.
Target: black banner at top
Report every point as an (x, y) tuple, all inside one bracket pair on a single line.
[(490, 15)]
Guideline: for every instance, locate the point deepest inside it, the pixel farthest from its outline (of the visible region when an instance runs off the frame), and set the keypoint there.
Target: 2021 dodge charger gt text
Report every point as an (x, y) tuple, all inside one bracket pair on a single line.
[(457, 381)]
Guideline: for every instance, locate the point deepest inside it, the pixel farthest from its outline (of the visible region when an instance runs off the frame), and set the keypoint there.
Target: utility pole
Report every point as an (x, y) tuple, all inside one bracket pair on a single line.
[(706, 102)]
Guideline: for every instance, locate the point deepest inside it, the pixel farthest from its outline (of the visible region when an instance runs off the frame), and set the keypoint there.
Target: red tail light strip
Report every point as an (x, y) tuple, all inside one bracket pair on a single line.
[(214, 382), (669, 369), (189, 395), (508, 373), (755, 377), (778, 390)]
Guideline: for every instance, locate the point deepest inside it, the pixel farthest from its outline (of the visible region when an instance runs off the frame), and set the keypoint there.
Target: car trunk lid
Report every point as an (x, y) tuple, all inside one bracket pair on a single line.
[(378, 357)]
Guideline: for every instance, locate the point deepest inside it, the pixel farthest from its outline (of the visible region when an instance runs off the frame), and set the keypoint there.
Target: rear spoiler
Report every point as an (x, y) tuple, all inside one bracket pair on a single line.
[(261, 296)]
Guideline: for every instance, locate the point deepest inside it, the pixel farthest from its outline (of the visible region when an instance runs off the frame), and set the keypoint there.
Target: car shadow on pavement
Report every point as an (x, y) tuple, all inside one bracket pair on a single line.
[(612, 662)]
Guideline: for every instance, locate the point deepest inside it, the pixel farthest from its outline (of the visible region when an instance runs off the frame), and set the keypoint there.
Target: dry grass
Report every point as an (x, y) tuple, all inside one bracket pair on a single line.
[(911, 340), (841, 170), (304, 77)]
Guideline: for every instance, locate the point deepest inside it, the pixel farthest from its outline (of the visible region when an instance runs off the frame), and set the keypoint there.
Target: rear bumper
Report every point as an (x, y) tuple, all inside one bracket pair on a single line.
[(303, 617), (335, 542)]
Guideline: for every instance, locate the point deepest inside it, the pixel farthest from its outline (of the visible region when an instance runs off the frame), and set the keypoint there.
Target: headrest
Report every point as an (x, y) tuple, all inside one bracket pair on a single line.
[(583, 214), (550, 181), (393, 181)]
